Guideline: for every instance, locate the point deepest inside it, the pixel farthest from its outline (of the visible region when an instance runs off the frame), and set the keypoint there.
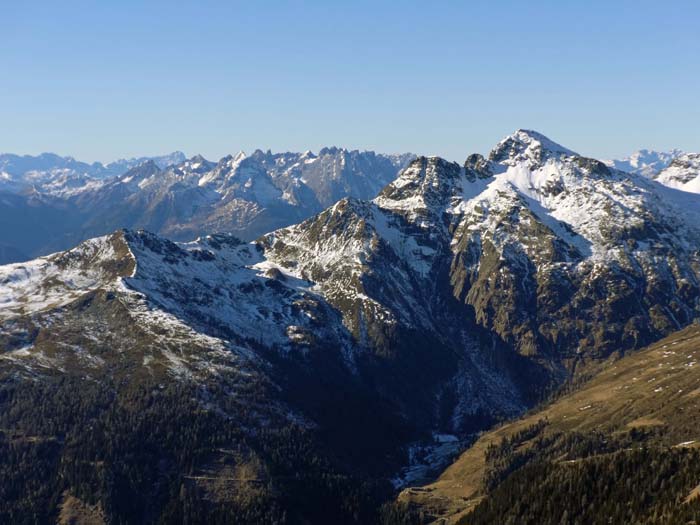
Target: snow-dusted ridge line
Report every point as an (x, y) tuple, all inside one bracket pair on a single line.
[(65, 177), (55, 280)]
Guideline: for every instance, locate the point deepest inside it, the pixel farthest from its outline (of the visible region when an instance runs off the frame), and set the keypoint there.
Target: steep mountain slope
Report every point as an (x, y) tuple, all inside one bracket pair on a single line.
[(241, 295), (231, 377), (251, 345), (638, 412), (199, 347)]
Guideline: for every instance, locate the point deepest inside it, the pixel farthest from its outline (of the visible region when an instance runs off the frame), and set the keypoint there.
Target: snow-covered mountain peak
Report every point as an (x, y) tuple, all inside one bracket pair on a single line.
[(527, 146), (686, 160), (525, 162)]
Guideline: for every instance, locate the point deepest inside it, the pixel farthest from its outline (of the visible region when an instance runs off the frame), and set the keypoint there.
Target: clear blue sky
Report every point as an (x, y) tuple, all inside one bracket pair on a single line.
[(105, 79)]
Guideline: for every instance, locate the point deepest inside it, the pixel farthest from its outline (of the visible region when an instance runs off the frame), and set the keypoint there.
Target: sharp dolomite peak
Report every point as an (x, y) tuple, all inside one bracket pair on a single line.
[(449, 299)]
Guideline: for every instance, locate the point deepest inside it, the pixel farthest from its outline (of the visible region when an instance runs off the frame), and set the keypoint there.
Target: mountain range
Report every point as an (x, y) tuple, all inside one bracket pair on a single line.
[(61, 201), (645, 162), (343, 325), (52, 173), (674, 168), (48, 203)]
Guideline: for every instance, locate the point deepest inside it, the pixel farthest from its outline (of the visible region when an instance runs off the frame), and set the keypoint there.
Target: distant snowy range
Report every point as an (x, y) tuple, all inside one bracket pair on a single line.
[(50, 202)]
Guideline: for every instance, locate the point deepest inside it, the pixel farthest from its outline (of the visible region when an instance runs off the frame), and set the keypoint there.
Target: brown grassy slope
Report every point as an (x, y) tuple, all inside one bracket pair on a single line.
[(658, 386)]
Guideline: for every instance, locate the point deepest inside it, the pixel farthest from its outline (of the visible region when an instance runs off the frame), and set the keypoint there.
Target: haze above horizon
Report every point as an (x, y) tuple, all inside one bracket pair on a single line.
[(103, 81)]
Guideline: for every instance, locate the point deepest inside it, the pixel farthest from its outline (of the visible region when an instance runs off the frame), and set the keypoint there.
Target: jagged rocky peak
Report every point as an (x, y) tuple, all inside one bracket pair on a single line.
[(239, 156), (527, 146), (477, 167), (197, 164), (171, 159), (260, 156), (149, 165), (197, 158), (332, 150), (223, 170), (427, 183), (141, 172), (686, 161)]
